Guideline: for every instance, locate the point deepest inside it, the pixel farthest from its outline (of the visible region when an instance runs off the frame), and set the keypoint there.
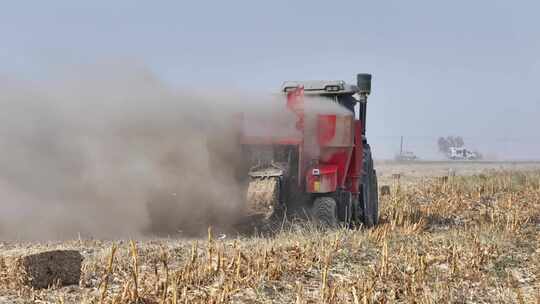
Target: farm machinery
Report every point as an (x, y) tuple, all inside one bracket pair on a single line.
[(462, 153), (325, 168)]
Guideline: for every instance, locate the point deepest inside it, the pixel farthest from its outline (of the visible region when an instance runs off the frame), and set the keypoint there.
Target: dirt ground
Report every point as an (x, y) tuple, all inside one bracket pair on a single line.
[(474, 238)]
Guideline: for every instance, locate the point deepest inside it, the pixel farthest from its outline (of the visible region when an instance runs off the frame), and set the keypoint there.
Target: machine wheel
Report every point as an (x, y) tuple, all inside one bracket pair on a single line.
[(349, 215), (375, 196), (324, 212), (370, 196)]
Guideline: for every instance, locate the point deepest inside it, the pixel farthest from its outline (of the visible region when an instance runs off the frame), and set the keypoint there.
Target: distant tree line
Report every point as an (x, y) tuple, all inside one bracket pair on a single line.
[(451, 141)]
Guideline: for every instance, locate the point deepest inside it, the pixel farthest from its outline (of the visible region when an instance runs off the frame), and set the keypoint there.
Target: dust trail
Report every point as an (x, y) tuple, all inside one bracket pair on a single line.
[(113, 152)]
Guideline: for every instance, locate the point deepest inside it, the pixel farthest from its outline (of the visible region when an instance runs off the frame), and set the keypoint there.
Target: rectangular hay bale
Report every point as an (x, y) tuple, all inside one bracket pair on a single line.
[(41, 268)]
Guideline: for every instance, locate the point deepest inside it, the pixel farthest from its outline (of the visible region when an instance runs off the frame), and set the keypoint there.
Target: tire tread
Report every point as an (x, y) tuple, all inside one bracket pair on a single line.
[(324, 212)]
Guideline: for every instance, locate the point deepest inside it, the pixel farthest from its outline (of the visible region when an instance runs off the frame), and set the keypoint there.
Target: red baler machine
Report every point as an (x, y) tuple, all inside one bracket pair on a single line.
[(324, 168)]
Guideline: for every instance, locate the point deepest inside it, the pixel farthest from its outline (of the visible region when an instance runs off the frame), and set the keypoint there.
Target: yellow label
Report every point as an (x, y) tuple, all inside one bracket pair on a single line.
[(316, 186)]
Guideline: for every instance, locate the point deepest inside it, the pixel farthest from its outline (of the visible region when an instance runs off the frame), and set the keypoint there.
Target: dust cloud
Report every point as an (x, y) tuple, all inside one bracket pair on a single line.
[(112, 152)]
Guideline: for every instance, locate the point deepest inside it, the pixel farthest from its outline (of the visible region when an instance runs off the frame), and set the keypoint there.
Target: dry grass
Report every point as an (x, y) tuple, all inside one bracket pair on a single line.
[(467, 239)]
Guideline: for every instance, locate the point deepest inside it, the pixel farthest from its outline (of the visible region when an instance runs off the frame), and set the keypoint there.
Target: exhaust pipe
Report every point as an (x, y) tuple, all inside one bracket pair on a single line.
[(363, 81)]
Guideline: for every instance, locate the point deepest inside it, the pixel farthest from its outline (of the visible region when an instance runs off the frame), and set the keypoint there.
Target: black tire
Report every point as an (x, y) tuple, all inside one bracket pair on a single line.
[(375, 196), (324, 212), (349, 220), (370, 195)]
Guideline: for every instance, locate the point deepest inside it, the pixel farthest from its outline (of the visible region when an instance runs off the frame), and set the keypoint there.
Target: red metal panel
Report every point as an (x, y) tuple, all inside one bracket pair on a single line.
[(326, 129), (338, 157), (335, 130), (335, 134), (324, 181), (355, 168)]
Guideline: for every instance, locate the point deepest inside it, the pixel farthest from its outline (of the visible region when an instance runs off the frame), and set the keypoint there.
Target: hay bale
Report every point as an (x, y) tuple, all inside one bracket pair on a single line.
[(41, 268), (262, 196)]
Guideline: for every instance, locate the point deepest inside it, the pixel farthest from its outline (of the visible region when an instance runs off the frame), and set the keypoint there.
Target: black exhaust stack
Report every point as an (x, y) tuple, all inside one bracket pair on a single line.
[(363, 81)]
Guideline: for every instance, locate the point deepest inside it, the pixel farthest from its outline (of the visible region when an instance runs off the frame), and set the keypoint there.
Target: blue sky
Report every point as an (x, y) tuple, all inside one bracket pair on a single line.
[(440, 67)]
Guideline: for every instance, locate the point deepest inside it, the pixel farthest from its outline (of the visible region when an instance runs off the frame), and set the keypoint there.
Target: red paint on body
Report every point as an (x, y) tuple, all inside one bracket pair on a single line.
[(326, 128), (355, 168), (326, 179), (337, 157)]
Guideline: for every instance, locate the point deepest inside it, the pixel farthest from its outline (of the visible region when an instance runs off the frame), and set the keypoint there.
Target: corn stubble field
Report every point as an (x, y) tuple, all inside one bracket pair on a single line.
[(473, 239)]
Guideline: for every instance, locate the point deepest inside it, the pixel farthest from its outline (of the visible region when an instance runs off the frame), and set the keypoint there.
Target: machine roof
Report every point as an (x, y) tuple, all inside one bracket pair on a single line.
[(321, 87)]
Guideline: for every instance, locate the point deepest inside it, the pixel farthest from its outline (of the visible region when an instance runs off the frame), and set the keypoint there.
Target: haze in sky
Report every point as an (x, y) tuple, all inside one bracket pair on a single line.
[(469, 68)]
